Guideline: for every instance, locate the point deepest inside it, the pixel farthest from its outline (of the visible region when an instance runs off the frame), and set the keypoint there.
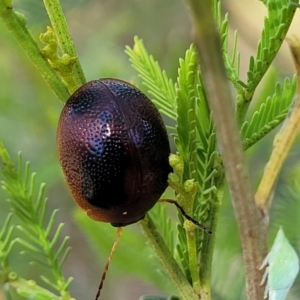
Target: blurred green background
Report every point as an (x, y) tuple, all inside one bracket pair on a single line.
[(29, 112)]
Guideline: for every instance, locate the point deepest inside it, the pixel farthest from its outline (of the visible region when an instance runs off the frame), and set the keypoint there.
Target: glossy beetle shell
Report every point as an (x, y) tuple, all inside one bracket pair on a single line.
[(113, 149)]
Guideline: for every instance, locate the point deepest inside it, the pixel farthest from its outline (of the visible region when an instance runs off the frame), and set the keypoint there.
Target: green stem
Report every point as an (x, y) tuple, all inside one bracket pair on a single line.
[(16, 23), (63, 36), (250, 223), (191, 242), (241, 110), (206, 254), (185, 290), (192, 252)]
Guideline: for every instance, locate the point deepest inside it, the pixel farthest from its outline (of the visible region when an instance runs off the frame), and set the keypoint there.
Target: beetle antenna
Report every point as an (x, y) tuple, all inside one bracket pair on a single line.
[(204, 228), (113, 248)]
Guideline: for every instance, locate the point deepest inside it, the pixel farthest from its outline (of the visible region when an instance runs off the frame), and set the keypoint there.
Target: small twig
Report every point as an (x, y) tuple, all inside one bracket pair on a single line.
[(283, 140), (63, 36), (185, 290), (16, 23)]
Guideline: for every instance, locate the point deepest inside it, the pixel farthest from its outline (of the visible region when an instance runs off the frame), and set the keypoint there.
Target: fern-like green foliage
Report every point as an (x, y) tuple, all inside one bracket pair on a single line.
[(195, 138), (274, 109), (195, 141), (159, 85), (6, 245), (276, 25), (40, 238), (270, 113), (231, 60)]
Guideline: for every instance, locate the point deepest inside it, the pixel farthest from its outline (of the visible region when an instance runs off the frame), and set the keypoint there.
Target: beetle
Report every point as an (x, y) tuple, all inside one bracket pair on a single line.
[(113, 148)]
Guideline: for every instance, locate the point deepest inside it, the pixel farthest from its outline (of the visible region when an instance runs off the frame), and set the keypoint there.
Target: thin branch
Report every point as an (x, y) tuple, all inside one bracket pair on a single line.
[(252, 236), (185, 290), (16, 23), (64, 38), (283, 140)]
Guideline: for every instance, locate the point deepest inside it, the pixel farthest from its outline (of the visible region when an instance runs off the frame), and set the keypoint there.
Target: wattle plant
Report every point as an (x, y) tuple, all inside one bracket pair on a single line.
[(210, 127)]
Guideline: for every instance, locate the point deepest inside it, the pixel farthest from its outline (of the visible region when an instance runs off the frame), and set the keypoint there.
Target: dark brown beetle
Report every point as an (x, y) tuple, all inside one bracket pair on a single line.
[(113, 149)]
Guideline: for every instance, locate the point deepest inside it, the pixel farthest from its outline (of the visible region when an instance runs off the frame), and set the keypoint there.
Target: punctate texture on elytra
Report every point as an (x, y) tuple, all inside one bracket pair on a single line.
[(113, 149)]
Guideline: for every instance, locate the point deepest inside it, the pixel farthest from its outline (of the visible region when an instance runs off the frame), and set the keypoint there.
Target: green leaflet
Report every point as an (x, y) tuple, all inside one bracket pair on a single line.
[(195, 141), (30, 207), (159, 85), (276, 25), (30, 290), (270, 113), (280, 15), (186, 111), (195, 138), (6, 244), (231, 60), (283, 267)]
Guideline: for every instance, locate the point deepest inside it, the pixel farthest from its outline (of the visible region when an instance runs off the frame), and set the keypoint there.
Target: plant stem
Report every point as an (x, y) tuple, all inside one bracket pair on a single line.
[(252, 236), (206, 255), (190, 233), (185, 290), (283, 140), (192, 253), (16, 23), (63, 36)]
